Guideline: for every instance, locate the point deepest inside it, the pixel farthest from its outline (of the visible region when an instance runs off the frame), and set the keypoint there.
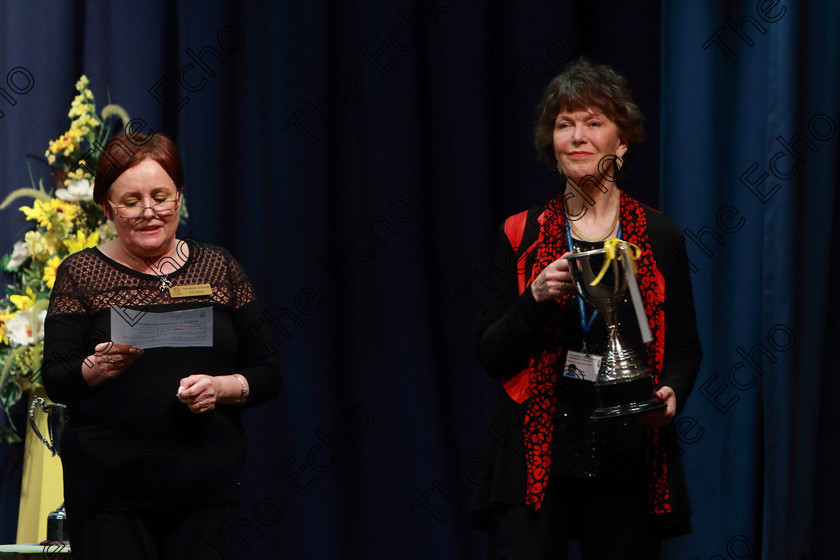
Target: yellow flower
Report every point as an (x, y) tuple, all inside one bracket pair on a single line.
[(5, 315), (53, 214), (65, 144), (82, 83), (42, 246), (80, 242), (79, 173), (55, 241), (76, 134), (37, 245), (50, 269), (23, 302)]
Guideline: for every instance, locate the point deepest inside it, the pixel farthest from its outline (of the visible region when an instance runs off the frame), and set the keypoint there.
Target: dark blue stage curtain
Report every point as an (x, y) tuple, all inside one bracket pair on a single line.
[(749, 168), (357, 157)]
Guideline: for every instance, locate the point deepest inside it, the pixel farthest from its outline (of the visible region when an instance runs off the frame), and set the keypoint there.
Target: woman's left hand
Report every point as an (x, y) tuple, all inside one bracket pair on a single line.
[(662, 416), (199, 392)]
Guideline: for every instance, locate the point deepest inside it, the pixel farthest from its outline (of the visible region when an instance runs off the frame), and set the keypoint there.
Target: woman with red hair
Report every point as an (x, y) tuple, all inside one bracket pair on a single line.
[(154, 447)]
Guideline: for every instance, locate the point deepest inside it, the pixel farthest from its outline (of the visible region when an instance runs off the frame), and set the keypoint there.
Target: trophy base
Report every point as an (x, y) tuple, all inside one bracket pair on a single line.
[(627, 409), (624, 398), (57, 526)]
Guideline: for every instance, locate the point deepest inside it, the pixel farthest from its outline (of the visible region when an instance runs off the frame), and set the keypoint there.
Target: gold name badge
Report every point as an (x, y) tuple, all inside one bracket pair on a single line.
[(190, 291)]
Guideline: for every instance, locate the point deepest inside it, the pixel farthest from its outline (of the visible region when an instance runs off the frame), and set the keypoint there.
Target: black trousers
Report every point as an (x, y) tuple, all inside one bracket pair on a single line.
[(610, 520), (189, 532)]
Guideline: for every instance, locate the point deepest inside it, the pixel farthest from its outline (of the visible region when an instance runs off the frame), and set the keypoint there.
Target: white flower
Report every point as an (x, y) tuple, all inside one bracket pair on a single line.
[(76, 191), (39, 326), (20, 252), (107, 232), (20, 328)]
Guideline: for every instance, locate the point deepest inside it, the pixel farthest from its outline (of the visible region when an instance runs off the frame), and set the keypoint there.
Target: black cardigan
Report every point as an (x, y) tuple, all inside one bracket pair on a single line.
[(513, 322)]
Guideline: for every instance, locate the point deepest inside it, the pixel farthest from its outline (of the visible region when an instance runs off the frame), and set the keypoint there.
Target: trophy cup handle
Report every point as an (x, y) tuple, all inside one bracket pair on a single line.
[(35, 402)]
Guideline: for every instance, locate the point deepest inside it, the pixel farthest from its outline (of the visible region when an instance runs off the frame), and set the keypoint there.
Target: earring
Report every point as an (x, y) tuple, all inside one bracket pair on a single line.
[(559, 169)]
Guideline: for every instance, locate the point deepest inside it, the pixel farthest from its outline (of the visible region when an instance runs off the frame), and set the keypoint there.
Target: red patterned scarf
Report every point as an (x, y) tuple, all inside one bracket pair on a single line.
[(541, 373)]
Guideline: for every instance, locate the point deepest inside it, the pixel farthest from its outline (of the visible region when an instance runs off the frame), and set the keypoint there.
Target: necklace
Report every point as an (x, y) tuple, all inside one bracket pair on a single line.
[(165, 282), (606, 234)]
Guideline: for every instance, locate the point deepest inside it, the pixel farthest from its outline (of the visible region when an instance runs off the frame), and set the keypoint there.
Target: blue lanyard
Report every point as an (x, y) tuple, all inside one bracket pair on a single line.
[(585, 323)]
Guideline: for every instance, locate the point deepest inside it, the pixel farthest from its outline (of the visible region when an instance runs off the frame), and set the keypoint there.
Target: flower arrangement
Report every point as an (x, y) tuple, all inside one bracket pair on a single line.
[(65, 222)]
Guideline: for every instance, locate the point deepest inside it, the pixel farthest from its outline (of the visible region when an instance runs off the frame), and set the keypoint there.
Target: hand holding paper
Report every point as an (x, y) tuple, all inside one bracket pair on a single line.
[(108, 361)]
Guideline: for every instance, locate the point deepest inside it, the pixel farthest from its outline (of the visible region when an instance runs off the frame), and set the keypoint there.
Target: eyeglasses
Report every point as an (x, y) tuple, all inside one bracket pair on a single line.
[(134, 211)]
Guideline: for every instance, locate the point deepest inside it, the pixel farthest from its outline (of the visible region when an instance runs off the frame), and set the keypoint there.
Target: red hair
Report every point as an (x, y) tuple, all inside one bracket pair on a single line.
[(122, 153)]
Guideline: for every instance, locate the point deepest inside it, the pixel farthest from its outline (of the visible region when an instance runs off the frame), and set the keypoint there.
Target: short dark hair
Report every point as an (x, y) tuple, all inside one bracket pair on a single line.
[(583, 85), (121, 154)]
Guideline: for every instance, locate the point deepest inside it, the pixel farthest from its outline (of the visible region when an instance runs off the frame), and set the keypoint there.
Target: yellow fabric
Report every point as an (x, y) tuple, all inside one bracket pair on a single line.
[(611, 246), (42, 489)]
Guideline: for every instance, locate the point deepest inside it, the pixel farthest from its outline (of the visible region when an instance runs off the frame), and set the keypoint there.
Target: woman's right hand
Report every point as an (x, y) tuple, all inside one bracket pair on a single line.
[(108, 361), (554, 281)]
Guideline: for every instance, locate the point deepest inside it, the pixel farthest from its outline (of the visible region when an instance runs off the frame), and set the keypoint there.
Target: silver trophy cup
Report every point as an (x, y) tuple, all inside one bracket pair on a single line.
[(624, 384), (57, 529)]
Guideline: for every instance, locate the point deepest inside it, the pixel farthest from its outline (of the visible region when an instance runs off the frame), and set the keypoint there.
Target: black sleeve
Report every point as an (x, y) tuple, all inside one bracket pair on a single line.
[(683, 353), (66, 340), (512, 323), (256, 355)]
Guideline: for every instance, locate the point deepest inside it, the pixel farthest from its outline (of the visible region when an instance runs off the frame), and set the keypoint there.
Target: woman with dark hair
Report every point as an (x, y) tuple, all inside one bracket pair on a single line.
[(154, 446), (615, 484)]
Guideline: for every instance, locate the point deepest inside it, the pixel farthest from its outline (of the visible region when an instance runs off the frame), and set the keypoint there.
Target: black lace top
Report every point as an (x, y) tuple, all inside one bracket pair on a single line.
[(130, 442), (90, 281)]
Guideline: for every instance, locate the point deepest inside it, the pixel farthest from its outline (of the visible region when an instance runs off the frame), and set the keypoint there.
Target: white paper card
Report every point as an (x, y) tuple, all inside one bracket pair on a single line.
[(173, 329)]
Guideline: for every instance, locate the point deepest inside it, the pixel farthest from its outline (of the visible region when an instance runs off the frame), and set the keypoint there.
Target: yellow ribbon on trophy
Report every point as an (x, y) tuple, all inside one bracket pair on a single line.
[(611, 245)]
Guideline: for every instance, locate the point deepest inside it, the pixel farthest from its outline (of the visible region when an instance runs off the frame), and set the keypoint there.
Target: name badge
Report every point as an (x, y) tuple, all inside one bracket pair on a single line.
[(580, 365), (191, 290)]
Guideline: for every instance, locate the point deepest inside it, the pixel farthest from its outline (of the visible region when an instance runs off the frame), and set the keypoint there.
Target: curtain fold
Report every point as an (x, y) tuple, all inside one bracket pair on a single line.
[(760, 239), (358, 157)]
